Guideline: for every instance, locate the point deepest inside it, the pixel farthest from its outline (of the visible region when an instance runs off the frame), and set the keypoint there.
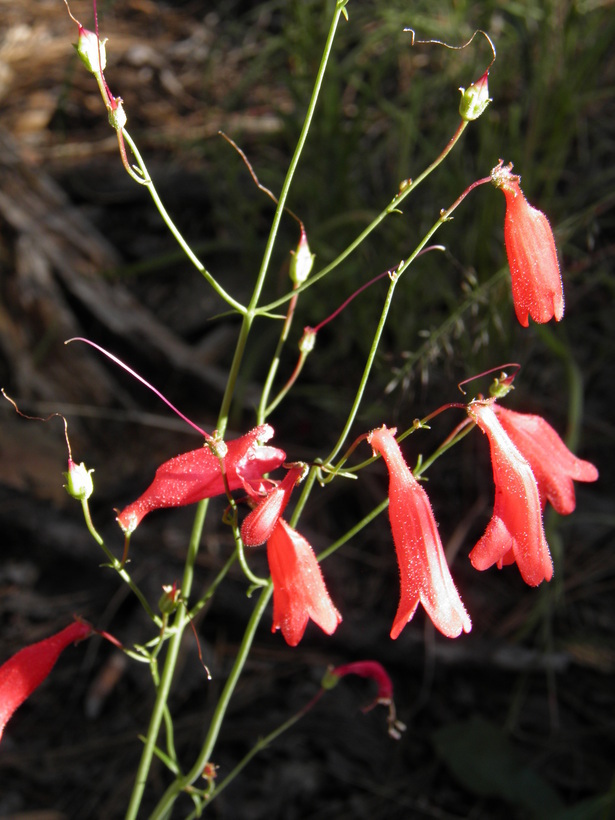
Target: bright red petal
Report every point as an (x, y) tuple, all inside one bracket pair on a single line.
[(25, 671), (517, 516), (424, 573), (299, 591)]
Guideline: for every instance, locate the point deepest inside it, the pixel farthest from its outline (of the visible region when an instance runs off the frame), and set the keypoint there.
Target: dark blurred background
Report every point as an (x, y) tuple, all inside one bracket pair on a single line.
[(514, 720)]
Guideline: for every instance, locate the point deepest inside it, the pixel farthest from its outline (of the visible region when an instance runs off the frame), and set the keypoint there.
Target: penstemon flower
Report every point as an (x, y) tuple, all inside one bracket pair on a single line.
[(260, 523), (552, 463), (299, 591), (26, 670), (515, 532), (376, 672), (425, 576), (198, 474), (536, 280)]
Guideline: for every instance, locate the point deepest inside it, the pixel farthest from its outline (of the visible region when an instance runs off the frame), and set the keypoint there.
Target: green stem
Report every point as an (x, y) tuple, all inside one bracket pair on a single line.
[(263, 410), (445, 215), (158, 712), (261, 743), (195, 772), (117, 565), (172, 227), (390, 208)]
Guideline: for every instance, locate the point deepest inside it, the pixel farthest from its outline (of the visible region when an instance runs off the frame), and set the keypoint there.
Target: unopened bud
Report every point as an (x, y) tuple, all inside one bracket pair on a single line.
[(169, 600), (79, 483), (302, 260), (91, 50), (475, 99), (307, 341), (117, 115)]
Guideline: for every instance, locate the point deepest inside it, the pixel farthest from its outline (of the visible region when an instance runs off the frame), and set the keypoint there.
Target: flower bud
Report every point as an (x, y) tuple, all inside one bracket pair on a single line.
[(91, 50), (475, 99), (79, 481), (117, 115), (302, 260), (169, 600)]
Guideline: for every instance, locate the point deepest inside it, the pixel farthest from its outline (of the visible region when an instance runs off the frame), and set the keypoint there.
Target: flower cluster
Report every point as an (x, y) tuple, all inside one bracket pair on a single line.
[(531, 465)]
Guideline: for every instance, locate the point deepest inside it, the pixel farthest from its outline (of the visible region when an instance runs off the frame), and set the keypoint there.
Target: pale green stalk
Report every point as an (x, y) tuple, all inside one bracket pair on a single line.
[(181, 619), (392, 207), (117, 565), (147, 181)]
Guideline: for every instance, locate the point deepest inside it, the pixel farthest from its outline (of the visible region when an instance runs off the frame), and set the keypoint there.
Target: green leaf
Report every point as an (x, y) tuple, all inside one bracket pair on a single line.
[(482, 759)]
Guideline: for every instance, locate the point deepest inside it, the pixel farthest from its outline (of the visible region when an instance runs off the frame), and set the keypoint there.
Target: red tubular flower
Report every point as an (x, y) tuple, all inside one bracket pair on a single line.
[(25, 671), (377, 672), (515, 532), (373, 670), (193, 476), (536, 280), (425, 576), (299, 591), (260, 523), (552, 463)]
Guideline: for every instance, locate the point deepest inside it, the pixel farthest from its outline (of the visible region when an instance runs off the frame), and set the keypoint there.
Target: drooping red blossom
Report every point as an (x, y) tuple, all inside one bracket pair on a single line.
[(377, 672), (515, 532), (299, 591), (532, 257), (260, 523), (26, 670), (553, 465), (373, 670), (198, 474), (424, 573)]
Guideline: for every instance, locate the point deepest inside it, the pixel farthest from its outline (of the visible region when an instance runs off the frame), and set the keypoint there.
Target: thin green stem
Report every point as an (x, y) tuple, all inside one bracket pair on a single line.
[(117, 565), (158, 712), (392, 207), (445, 215), (263, 410), (174, 230), (277, 217), (261, 743), (195, 772)]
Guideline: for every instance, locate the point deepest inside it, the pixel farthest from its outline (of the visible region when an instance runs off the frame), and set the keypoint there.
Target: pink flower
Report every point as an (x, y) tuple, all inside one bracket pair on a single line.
[(373, 670), (260, 523), (377, 672), (536, 280), (425, 576), (515, 532), (552, 463), (25, 671), (193, 476), (299, 591)]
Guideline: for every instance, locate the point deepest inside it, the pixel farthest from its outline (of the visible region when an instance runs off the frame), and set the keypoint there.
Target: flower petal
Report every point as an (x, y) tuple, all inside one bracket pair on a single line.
[(193, 476), (516, 524), (26, 670), (299, 591), (424, 572)]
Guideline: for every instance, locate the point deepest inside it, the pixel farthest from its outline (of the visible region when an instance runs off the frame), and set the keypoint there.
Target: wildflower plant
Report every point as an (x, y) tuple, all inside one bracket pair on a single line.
[(259, 481)]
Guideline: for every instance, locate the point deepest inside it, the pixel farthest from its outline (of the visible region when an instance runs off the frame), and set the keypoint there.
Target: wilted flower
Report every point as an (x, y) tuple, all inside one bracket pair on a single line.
[(25, 671), (425, 576), (199, 474), (376, 672), (515, 532), (299, 591), (536, 280), (552, 463)]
